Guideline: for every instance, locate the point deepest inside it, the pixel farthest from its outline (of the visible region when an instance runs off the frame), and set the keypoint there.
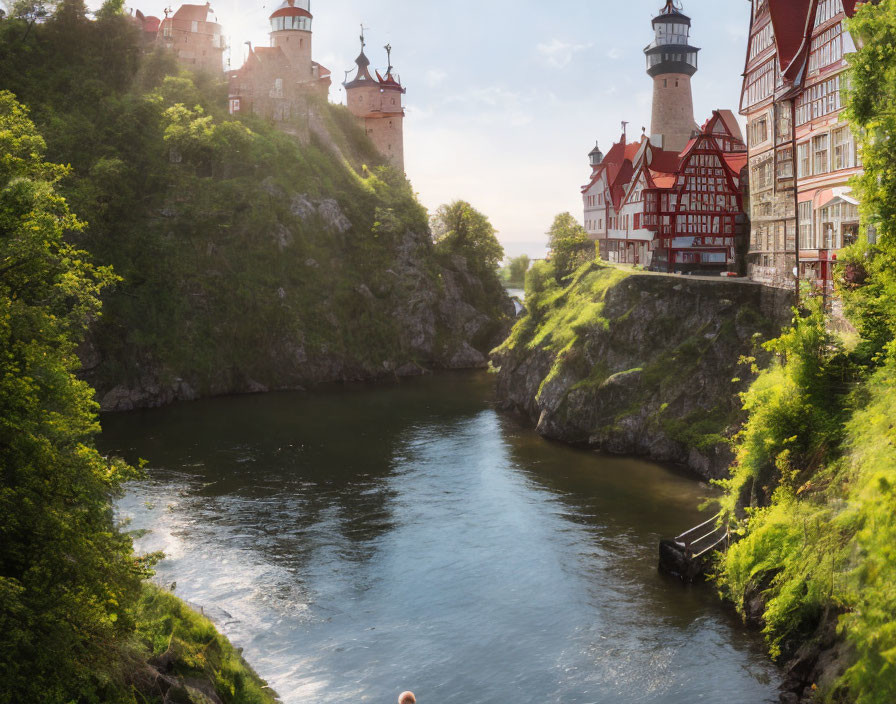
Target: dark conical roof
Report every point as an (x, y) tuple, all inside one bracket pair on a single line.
[(362, 60), (671, 13)]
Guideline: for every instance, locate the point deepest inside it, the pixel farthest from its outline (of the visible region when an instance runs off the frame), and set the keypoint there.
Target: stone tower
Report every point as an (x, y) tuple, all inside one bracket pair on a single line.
[(291, 32), (671, 62), (377, 104)]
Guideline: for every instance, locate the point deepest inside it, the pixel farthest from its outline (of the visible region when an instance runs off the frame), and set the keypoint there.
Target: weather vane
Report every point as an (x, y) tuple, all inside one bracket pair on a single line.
[(388, 49), (363, 41)]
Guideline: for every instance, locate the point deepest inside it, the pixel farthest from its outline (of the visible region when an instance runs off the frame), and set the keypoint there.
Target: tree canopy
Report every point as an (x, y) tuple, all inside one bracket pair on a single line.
[(68, 577), (569, 244), (459, 228)]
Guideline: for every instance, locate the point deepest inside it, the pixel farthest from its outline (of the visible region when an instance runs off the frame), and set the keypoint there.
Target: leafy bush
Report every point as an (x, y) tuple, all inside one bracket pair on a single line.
[(68, 578)]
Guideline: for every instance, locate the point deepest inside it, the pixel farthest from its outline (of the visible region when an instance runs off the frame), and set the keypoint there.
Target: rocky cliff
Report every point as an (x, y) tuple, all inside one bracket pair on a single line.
[(253, 255), (637, 364)]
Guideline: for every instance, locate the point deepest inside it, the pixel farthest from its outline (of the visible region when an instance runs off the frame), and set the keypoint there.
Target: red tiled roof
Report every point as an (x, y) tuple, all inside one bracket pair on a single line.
[(151, 24), (290, 12), (665, 161), (791, 23), (192, 13), (631, 150), (731, 123), (736, 161), (664, 180)]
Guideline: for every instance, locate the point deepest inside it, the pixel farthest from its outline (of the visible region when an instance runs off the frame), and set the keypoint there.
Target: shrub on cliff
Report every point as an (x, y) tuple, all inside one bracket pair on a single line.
[(68, 578), (816, 471), (569, 245)]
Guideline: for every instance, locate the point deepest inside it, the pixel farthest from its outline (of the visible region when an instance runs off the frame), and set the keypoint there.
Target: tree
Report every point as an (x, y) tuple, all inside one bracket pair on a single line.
[(871, 297), (68, 577), (569, 244), (458, 228), (516, 270)]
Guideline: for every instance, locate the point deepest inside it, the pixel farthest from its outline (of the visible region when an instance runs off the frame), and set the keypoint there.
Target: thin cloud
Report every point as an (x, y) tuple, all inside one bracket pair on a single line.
[(559, 54)]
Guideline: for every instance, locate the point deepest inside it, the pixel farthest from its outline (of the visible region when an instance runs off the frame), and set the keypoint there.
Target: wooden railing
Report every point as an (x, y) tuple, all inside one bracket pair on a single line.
[(717, 537)]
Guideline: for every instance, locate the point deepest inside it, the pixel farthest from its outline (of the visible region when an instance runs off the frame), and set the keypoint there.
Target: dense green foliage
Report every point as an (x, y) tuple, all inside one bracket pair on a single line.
[(459, 228), (67, 577), (569, 245), (514, 273), (193, 650), (813, 493)]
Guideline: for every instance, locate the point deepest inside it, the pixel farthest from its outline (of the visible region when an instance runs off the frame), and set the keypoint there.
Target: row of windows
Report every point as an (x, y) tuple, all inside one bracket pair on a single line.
[(706, 184), (672, 33), (828, 227), (762, 40), (594, 225), (827, 10), (827, 48), (757, 131), (817, 156), (761, 175), (595, 200), (760, 83), (704, 224), (819, 100), (688, 57), (278, 24), (705, 160)]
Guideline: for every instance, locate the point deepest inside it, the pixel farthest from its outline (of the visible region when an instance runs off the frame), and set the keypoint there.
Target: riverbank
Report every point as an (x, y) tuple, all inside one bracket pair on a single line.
[(637, 364), (187, 659)]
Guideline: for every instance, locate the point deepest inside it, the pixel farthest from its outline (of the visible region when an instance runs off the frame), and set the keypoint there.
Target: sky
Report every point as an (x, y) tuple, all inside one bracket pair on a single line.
[(505, 99)]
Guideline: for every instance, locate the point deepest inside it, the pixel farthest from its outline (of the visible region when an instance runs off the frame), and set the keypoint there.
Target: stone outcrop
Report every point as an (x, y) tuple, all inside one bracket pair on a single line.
[(431, 312), (645, 366)]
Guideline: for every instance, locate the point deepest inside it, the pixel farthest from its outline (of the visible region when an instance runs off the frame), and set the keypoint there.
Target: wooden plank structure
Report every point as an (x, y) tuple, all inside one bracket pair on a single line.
[(688, 556)]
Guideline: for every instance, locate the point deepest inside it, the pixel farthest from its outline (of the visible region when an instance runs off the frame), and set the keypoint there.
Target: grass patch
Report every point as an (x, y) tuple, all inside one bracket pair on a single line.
[(170, 629)]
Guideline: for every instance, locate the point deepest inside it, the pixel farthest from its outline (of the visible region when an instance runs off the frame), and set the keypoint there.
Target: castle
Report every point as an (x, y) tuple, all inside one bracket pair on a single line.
[(377, 104), (672, 201), (276, 81)]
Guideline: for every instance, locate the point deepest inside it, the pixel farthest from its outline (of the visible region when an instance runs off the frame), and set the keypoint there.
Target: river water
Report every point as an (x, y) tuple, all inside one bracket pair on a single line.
[(362, 541)]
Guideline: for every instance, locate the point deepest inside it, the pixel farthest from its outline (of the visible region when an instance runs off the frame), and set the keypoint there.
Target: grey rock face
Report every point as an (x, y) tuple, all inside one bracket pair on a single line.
[(654, 376)]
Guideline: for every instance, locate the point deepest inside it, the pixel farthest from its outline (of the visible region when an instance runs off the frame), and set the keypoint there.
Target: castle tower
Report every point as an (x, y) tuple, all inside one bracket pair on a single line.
[(671, 62), (291, 32), (377, 104)]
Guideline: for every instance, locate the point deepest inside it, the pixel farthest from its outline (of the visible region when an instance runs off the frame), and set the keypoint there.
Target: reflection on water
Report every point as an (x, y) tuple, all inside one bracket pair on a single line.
[(359, 542)]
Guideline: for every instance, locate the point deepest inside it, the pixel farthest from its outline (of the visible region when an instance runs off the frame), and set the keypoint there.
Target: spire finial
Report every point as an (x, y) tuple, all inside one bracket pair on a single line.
[(363, 41), (388, 49)]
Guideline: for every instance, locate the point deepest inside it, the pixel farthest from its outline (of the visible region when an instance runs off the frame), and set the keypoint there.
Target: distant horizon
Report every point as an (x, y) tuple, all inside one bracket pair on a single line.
[(502, 113)]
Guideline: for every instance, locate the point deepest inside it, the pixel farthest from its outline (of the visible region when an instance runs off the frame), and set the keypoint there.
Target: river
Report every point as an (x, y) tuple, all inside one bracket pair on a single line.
[(361, 541)]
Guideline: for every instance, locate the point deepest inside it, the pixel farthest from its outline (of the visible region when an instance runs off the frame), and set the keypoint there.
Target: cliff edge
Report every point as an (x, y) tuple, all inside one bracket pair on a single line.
[(637, 364)]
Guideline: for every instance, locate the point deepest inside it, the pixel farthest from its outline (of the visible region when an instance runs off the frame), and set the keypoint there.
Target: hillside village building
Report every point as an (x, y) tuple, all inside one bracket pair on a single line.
[(802, 152), (376, 102), (194, 34), (672, 201), (274, 80)]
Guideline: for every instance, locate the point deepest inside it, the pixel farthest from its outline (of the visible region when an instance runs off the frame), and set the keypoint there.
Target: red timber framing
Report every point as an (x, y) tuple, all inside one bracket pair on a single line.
[(694, 212)]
